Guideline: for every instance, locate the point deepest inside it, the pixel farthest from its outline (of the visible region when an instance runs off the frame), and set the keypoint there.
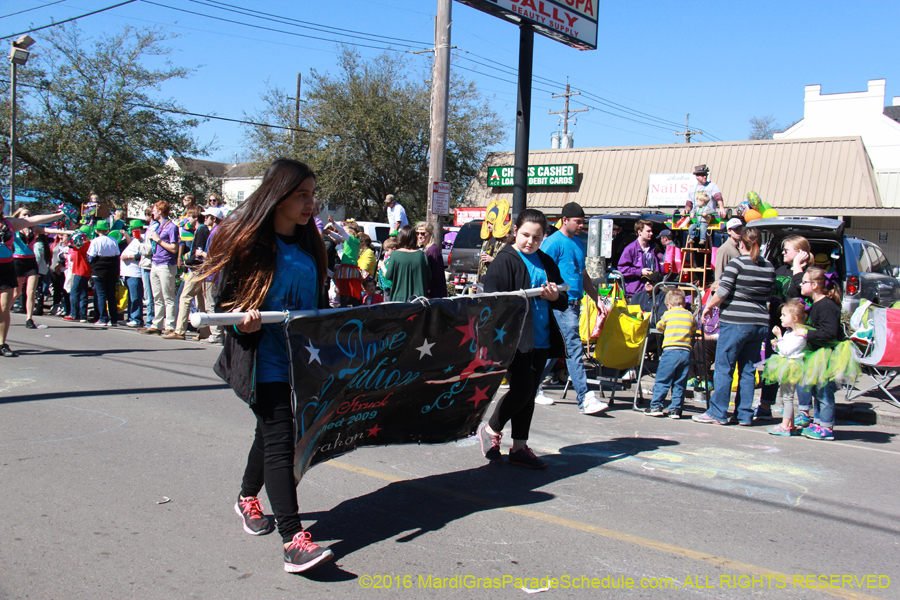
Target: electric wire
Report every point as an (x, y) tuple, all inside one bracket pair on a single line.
[(33, 29), (32, 8)]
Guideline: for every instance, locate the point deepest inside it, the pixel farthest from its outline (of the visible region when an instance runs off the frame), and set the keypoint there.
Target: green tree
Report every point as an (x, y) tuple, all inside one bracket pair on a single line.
[(366, 132), (91, 121)]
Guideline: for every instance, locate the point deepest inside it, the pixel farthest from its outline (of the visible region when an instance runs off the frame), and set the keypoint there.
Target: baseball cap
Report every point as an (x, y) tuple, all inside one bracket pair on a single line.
[(652, 278), (214, 211), (102, 225), (665, 232), (734, 223)]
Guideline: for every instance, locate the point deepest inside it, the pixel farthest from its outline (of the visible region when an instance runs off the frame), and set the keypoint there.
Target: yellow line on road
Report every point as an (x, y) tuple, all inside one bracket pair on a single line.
[(601, 531)]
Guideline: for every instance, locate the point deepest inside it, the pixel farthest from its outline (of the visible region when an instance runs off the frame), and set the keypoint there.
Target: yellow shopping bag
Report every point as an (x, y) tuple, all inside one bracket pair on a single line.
[(621, 341), (586, 318), (122, 298)]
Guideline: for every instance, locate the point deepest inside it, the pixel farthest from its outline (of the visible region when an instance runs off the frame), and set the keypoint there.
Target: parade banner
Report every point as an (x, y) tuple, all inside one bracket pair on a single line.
[(398, 373)]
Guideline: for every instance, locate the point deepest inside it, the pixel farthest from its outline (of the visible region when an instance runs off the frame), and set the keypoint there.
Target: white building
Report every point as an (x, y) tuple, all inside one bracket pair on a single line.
[(862, 114), (237, 179)]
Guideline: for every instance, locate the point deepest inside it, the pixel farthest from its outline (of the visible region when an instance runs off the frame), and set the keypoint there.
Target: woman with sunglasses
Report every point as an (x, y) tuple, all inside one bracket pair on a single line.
[(437, 284)]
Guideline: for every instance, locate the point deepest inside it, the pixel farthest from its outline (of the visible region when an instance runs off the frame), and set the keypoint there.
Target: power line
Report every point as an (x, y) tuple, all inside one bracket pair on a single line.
[(307, 24), (33, 8), (12, 35), (294, 33)]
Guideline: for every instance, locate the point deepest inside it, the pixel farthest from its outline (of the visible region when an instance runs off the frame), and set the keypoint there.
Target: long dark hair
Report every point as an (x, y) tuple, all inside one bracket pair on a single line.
[(751, 237), (406, 238), (244, 248)]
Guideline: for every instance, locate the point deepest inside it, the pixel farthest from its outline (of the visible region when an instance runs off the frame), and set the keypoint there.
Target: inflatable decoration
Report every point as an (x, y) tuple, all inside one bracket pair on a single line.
[(755, 201), (497, 214), (742, 208), (752, 215), (770, 214)]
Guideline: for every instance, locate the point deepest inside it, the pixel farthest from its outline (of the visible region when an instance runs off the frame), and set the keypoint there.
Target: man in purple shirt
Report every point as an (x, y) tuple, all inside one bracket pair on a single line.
[(164, 270), (639, 258)]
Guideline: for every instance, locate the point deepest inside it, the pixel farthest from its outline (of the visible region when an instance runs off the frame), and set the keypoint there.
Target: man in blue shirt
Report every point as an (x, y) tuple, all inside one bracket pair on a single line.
[(568, 252)]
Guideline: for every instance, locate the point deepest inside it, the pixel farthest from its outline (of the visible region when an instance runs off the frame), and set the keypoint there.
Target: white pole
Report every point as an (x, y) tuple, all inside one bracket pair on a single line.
[(200, 319)]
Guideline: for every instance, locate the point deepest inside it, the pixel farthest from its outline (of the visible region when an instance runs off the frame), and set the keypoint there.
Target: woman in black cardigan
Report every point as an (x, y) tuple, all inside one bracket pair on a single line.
[(522, 266)]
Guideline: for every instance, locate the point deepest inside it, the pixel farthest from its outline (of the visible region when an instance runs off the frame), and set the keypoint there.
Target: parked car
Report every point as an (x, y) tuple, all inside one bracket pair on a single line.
[(377, 231), (447, 244), (862, 267), (465, 255)]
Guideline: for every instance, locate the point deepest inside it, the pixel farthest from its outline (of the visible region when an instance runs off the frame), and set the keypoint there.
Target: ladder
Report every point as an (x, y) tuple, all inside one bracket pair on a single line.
[(695, 260)]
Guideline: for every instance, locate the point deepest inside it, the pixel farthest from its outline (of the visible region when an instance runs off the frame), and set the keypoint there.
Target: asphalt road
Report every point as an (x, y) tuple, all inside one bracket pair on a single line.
[(99, 427)]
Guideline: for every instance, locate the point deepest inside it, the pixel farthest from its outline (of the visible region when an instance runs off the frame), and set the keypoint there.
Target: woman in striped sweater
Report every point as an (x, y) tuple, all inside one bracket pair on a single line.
[(743, 293)]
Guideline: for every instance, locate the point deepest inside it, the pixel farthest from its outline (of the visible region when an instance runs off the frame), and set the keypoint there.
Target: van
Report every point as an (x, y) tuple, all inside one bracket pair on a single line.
[(377, 231)]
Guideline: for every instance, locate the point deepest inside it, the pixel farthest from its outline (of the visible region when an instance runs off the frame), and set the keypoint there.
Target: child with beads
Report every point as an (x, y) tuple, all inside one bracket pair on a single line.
[(677, 326), (786, 367), (818, 386)]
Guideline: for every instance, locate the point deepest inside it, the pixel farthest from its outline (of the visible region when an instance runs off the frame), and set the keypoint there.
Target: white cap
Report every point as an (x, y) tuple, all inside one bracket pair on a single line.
[(734, 223), (214, 211)]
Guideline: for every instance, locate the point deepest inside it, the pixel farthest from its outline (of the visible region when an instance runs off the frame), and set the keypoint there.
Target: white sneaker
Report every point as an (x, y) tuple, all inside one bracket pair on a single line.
[(542, 398), (592, 405), (630, 375)]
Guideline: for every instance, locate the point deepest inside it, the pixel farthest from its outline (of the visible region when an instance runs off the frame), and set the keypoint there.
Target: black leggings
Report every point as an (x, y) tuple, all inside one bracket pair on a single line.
[(517, 405), (271, 458)]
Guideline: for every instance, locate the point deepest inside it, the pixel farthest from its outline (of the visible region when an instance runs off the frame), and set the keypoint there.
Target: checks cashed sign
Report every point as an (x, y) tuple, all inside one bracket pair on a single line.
[(572, 22)]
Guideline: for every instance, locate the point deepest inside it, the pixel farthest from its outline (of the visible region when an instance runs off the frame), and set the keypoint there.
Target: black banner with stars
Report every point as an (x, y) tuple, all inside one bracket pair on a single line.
[(399, 373)]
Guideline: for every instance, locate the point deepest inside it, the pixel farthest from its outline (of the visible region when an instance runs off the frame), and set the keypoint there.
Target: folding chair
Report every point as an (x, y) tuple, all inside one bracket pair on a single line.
[(881, 358)]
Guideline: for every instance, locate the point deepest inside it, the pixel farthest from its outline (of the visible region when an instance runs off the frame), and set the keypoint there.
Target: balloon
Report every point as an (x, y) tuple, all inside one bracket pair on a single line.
[(770, 214), (754, 200), (765, 206), (752, 215)]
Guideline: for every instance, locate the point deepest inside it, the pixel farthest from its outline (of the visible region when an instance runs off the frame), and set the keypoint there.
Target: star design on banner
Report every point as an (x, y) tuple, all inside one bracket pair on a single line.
[(501, 333), (479, 395), (411, 317), (374, 431), (313, 353), (425, 348), (450, 368), (468, 331)]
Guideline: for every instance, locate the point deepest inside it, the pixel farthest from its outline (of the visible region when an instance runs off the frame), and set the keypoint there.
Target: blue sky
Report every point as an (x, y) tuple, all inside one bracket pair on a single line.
[(722, 62)]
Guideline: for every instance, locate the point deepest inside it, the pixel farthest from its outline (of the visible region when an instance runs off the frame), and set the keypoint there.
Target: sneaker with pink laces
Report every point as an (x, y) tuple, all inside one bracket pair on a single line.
[(302, 554), (490, 443), (251, 513)]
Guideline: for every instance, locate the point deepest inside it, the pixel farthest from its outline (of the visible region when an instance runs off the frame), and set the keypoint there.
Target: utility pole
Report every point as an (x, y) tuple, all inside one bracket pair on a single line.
[(296, 128), (687, 133), (566, 111), (523, 118), (440, 93)]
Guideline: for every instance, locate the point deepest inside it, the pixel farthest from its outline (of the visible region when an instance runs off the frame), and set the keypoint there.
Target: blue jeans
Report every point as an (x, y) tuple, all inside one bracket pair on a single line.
[(135, 299), (671, 373), (105, 295), (78, 297), (822, 397), (692, 230), (740, 345), (148, 295), (568, 325)]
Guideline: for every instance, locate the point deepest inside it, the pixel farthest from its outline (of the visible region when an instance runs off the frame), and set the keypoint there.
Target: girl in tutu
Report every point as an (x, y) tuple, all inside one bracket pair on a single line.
[(827, 362), (786, 367)]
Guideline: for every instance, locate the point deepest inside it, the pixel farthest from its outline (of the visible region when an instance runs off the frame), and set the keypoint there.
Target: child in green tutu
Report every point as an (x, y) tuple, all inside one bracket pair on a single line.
[(786, 367)]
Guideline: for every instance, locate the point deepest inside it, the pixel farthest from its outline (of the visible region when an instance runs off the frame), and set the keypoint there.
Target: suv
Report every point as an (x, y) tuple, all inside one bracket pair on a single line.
[(861, 266), (623, 228), (465, 255)]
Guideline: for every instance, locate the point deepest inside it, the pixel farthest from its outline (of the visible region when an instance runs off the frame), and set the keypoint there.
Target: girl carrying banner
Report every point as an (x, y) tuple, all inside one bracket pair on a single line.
[(519, 267), (269, 255)]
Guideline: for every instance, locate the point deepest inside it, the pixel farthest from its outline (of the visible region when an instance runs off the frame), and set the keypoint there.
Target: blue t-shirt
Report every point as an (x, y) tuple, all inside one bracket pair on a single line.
[(568, 253), (293, 288), (539, 307)]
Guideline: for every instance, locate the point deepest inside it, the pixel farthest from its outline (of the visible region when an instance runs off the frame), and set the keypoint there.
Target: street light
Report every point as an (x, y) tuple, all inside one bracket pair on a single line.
[(18, 55)]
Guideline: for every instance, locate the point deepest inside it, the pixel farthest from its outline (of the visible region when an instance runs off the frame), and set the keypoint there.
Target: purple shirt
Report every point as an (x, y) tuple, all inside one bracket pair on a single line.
[(632, 262), (168, 233)]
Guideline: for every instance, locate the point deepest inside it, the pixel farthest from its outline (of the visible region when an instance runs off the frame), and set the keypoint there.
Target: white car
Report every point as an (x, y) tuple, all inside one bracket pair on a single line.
[(377, 231)]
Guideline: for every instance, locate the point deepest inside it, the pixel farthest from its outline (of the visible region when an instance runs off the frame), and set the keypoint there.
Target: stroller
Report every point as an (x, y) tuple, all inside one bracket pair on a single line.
[(880, 356)]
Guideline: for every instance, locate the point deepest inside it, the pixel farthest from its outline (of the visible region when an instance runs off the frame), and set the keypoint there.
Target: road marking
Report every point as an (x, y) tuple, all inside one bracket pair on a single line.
[(601, 531)]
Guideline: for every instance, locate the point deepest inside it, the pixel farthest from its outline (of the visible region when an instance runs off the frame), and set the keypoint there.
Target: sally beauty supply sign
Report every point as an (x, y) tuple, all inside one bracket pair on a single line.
[(572, 22)]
